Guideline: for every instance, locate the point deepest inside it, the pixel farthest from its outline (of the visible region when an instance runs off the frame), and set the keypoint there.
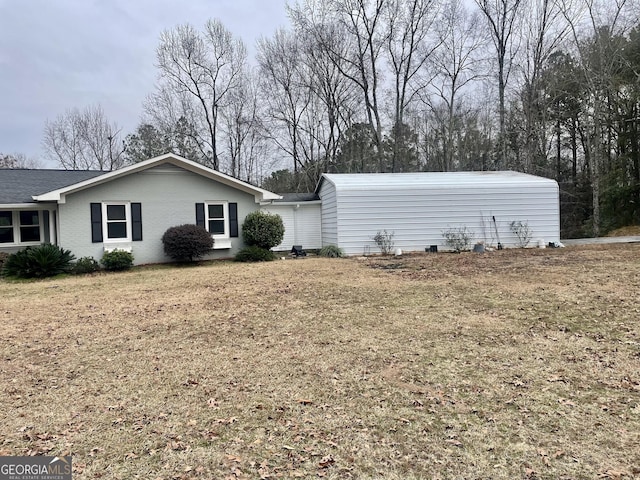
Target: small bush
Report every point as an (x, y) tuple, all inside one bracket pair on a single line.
[(17, 264), (522, 231), (3, 258), (44, 260), (253, 253), (384, 241), (185, 243), (262, 229), (116, 260), (331, 251), (86, 265), (459, 238)]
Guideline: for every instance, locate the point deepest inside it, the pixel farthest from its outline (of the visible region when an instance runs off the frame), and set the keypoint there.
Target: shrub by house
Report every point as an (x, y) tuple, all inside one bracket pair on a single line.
[(264, 230), (186, 243)]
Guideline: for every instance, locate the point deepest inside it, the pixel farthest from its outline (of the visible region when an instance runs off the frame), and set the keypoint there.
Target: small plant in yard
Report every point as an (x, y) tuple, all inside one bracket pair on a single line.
[(384, 241), (262, 229), (187, 242), (3, 258), (40, 261), (522, 231), (458, 238), (254, 253), (86, 265), (116, 260), (331, 251)]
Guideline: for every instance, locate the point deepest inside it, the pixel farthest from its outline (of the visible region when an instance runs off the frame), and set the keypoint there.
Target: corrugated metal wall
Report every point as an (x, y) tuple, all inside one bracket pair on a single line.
[(418, 216), (329, 218)]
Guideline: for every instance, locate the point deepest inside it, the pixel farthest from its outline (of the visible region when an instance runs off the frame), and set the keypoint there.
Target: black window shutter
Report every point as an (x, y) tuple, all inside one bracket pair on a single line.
[(200, 214), (136, 222), (233, 219), (96, 222)]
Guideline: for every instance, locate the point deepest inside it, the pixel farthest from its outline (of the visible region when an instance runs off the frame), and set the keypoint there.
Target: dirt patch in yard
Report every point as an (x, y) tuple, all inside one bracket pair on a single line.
[(511, 364)]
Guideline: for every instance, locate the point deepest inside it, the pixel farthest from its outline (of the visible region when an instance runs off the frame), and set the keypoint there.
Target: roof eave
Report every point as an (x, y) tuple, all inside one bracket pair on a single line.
[(299, 202), (14, 206), (320, 180)]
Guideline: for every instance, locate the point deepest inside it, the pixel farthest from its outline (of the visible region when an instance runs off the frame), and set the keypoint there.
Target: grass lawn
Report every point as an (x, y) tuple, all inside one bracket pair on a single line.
[(513, 364)]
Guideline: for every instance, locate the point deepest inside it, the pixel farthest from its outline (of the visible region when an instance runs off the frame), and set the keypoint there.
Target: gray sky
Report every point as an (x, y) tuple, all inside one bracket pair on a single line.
[(60, 54)]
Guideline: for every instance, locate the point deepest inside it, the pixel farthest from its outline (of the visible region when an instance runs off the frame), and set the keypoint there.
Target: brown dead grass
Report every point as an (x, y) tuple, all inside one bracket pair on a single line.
[(515, 364), (630, 230)]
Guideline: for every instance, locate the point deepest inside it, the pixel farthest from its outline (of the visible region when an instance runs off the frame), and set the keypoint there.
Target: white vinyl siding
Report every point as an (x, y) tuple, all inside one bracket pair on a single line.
[(286, 212), (301, 224), (308, 226)]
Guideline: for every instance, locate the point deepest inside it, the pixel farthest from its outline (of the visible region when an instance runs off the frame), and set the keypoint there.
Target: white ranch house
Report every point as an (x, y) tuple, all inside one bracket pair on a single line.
[(91, 212)]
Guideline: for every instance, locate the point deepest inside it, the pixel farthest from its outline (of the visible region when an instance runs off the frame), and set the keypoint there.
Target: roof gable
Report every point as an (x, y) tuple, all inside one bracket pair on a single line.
[(58, 195)]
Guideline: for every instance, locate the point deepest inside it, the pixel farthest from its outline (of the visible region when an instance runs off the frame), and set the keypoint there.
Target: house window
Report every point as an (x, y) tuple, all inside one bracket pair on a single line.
[(29, 226), (6, 227), (20, 226), (217, 220), (117, 221)]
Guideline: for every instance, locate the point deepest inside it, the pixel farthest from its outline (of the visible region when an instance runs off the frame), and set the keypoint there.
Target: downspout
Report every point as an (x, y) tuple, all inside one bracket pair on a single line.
[(53, 237)]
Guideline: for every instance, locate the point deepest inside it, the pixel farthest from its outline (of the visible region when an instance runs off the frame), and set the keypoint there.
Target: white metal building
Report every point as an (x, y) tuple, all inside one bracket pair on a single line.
[(418, 207)]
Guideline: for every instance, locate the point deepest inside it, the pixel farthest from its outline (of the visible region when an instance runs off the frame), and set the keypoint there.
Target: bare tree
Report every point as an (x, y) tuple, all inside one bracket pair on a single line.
[(245, 133), (361, 23), (287, 95), (408, 47), (458, 63), (543, 35), (323, 46), (18, 160), (335, 93), (84, 140), (598, 28), (198, 72), (502, 17)]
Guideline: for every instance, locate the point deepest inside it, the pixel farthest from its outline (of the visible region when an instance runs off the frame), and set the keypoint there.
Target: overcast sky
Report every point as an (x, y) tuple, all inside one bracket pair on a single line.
[(60, 54)]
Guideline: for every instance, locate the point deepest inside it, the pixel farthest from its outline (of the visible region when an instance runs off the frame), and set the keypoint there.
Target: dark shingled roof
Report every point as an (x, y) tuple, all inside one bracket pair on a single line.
[(298, 197), (18, 185)]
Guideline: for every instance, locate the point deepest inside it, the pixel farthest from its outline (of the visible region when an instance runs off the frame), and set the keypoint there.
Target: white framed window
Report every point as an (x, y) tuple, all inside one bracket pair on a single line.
[(6, 227), (29, 226), (116, 221), (7, 234), (217, 219), (20, 227)]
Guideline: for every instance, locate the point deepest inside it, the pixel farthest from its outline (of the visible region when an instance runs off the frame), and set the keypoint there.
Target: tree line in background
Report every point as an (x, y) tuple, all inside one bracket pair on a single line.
[(547, 87)]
